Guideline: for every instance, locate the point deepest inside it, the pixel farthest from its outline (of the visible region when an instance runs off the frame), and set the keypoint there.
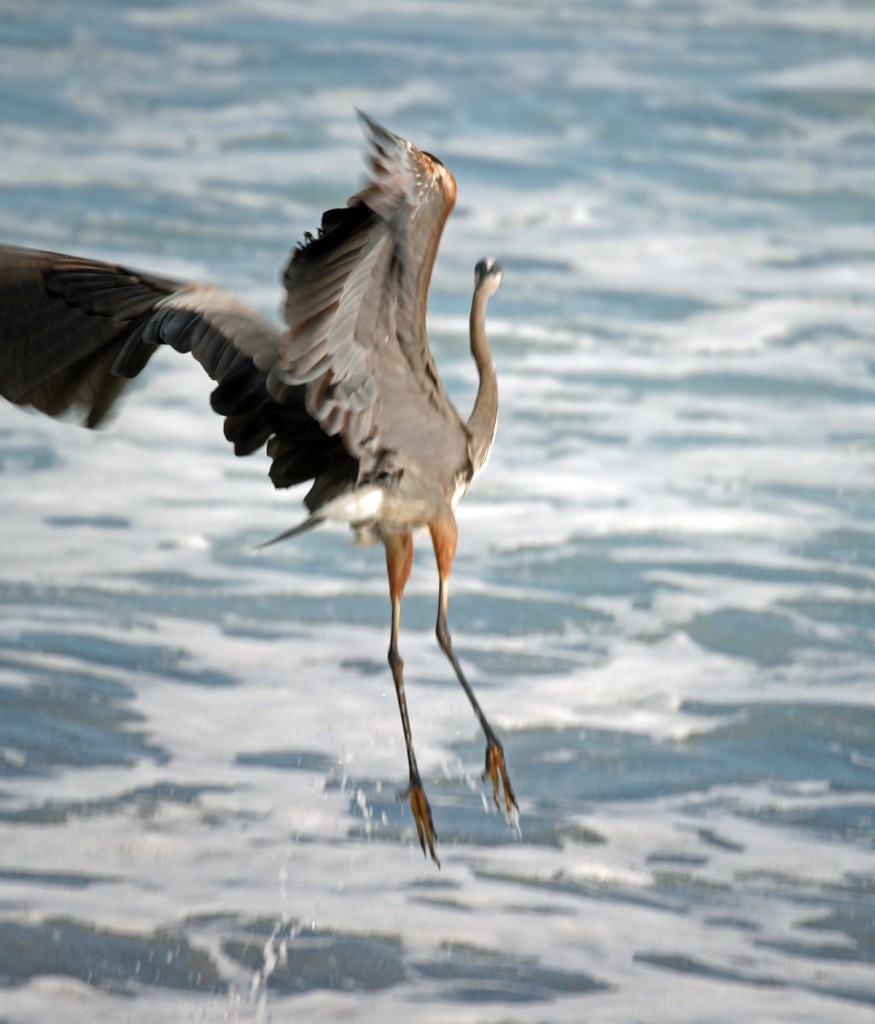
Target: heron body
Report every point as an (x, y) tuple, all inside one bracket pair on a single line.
[(345, 395)]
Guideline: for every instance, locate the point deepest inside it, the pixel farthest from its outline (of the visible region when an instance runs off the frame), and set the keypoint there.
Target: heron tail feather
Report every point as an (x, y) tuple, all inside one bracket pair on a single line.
[(293, 531)]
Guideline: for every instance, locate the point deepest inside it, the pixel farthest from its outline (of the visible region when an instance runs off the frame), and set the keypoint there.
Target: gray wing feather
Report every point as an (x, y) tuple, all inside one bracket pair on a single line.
[(355, 309)]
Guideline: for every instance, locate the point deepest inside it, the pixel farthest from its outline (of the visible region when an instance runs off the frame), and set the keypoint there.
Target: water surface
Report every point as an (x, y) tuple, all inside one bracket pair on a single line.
[(665, 587)]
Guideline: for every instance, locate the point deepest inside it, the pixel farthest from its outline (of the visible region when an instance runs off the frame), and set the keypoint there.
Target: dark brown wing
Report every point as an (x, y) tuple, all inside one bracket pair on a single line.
[(64, 322), (74, 331), (356, 305)]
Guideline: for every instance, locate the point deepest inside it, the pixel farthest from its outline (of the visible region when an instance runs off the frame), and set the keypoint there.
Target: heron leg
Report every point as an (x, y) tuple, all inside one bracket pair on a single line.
[(399, 562), (444, 535)]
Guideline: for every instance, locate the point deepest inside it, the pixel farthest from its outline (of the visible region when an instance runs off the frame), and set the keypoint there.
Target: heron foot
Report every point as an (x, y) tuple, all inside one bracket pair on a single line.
[(497, 771), (422, 816)]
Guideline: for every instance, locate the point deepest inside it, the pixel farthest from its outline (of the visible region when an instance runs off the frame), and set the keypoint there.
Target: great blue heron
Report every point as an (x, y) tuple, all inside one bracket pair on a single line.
[(347, 395)]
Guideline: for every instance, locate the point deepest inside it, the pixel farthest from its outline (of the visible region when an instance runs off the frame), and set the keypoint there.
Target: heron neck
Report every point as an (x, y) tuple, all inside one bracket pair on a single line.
[(481, 425)]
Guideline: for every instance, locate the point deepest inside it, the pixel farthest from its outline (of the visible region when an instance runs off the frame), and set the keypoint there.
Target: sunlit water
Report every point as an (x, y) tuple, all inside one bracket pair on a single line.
[(665, 589)]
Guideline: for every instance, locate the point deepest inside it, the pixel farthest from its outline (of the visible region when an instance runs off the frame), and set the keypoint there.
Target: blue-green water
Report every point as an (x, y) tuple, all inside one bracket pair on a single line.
[(665, 588)]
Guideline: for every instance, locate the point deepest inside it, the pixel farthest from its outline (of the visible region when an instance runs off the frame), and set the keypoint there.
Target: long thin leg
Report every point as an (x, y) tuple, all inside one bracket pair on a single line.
[(399, 562), (445, 536)]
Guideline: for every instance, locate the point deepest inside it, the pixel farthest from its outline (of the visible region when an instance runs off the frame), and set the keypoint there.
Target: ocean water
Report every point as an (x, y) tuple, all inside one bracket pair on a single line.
[(665, 587)]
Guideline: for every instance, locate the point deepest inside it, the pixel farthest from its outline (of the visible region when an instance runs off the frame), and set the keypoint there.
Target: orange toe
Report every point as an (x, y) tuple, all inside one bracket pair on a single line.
[(497, 771), (422, 816)]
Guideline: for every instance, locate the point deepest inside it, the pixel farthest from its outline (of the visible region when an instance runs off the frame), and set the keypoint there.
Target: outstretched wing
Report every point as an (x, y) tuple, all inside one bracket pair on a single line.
[(74, 331), (349, 390), (356, 309), (63, 324)]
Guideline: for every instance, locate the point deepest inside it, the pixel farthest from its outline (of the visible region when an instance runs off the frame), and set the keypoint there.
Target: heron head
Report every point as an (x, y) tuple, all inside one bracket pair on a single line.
[(488, 275)]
